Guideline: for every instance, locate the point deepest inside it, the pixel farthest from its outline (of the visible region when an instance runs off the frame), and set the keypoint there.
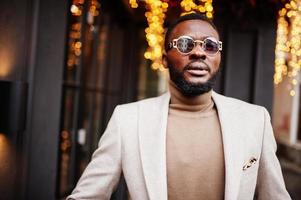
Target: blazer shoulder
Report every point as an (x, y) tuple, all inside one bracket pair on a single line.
[(133, 106), (239, 104)]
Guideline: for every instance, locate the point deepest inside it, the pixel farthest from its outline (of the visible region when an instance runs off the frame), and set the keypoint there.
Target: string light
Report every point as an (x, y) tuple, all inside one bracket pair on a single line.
[(155, 15), (288, 44), (75, 35), (282, 47), (75, 45), (203, 6), (133, 3), (77, 7), (94, 8)]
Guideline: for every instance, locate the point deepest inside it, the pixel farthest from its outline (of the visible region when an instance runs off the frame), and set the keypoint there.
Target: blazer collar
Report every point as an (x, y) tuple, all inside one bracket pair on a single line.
[(152, 137), (233, 142)]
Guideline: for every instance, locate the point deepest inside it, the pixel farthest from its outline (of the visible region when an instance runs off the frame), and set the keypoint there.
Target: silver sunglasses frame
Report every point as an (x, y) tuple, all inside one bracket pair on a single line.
[(173, 44)]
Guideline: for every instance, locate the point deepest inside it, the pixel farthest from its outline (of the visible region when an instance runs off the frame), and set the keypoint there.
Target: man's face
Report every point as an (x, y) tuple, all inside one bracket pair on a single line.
[(193, 73)]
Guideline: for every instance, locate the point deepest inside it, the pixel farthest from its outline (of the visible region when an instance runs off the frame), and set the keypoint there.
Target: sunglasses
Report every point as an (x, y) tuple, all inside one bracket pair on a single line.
[(185, 44)]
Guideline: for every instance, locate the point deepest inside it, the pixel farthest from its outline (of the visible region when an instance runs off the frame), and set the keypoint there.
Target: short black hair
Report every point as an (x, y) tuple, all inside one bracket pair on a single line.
[(190, 16)]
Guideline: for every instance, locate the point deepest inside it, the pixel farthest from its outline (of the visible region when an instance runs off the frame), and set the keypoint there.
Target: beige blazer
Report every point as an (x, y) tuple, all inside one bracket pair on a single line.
[(134, 144)]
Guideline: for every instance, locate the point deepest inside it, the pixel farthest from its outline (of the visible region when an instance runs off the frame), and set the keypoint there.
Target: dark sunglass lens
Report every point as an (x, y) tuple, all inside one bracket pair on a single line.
[(185, 45), (210, 46)]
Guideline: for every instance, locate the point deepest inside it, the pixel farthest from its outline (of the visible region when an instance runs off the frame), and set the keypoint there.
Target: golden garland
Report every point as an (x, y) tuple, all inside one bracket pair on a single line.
[(204, 6), (288, 44)]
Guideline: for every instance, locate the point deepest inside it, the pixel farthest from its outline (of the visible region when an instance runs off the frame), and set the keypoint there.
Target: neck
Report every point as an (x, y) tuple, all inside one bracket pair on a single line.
[(176, 97)]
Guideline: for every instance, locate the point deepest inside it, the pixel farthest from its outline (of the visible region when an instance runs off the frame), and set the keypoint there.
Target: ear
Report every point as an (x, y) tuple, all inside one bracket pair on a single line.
[(164, 60)]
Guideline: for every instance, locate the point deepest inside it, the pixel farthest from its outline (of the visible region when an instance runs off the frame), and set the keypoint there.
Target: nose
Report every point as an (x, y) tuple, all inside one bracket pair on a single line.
[(198, 53)]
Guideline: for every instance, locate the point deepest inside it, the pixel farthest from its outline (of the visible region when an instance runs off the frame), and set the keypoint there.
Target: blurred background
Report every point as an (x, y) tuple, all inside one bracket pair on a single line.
[(65, 65)]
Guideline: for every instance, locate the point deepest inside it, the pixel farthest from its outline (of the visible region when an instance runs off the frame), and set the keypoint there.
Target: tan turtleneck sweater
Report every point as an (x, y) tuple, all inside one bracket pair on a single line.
[(195, 159)]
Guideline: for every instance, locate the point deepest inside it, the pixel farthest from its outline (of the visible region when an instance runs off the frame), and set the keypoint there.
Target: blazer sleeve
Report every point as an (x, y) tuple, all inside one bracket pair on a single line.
[(270, 183), (102, 174)]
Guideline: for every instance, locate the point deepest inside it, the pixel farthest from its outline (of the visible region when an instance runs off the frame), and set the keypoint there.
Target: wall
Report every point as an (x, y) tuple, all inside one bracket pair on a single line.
[(45, 79), (32, 43), (15, 30), (248, 61)]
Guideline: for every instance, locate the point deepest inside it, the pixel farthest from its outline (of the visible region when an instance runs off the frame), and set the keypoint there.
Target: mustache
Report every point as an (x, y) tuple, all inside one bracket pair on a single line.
[(197, 65)]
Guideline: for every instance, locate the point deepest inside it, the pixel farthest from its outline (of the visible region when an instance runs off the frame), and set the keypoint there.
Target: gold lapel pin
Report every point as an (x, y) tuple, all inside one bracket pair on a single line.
[(251, 162)]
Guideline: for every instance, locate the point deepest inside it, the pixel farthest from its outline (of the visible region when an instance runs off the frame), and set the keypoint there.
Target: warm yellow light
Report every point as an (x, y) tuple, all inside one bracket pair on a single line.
[(133, 3), (209, 8), (164, 5), (202, 9), (78, 45), (5, 148), (4, 71), (147, 55), (74, 50), (6, 62), (209, 15), (288, 44), (2, 138), (94, 8), (282, 12), (292, 93), (203, 6), (77, 52), (155, 16), (74, 9)]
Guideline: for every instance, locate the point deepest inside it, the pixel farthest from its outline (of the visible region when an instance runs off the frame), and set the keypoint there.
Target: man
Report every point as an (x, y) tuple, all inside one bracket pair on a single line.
[(190, 143)]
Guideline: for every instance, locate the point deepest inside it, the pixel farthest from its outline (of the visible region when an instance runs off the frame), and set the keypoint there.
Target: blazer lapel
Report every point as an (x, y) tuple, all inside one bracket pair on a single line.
[(233, 142), (152, 137)]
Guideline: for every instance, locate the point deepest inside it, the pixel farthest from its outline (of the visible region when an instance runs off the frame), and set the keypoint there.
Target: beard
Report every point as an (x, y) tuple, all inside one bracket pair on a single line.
[(187, 88)]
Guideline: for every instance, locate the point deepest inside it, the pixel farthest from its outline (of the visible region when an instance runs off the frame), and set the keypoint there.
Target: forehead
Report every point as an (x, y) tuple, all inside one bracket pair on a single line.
[(197, 29)]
